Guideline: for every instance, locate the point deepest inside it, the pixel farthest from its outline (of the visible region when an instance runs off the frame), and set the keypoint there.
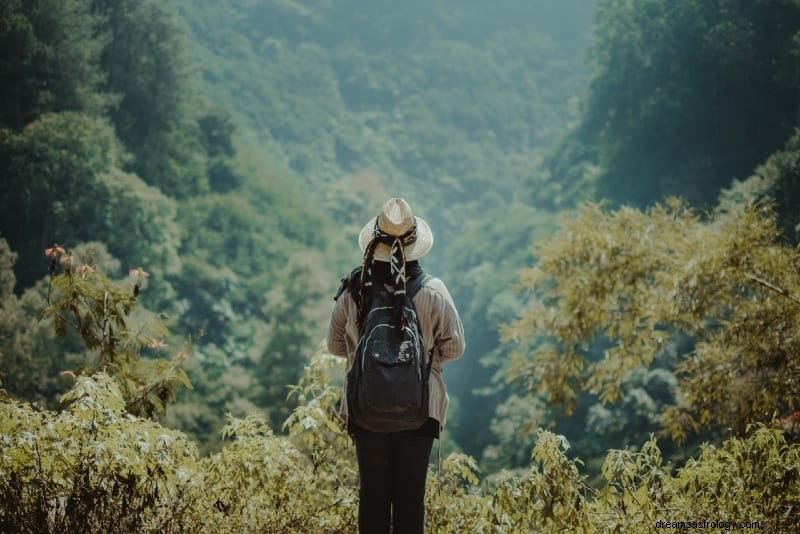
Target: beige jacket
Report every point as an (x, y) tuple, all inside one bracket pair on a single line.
[(442, 334)]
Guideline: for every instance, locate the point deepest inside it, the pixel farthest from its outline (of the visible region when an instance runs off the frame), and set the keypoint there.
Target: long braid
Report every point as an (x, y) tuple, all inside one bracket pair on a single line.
[(397, 263), (365, 278)]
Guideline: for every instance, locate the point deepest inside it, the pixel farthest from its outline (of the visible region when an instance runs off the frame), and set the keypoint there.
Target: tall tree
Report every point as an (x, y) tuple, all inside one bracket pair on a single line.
[(49, 60), (148, 68), (689, 94)]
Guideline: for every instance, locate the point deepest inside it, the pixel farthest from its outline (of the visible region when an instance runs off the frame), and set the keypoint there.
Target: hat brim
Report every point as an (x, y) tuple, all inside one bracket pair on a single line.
[(414, 251)]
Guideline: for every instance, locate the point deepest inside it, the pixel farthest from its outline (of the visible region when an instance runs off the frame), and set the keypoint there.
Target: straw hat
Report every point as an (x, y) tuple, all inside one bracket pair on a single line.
[(396, 218)]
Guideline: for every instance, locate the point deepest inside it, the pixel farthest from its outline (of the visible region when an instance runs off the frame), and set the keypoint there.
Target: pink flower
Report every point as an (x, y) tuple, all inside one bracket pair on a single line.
[(53, 251), (157, 344), (138, 272), (66, 259), (81, 269)]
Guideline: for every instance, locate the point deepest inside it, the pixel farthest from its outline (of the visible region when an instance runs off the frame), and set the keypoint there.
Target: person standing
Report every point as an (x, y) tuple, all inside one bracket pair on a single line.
[(393, 465)]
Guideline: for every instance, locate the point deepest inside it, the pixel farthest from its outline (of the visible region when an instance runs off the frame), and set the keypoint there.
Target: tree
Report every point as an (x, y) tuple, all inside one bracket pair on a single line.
[(115, 470), (688, 95), (217, 129), (632, 280), (63, 183), (49, 60), (480, 270), (100, 313), (147, 66), (296, 321), (776, 180)]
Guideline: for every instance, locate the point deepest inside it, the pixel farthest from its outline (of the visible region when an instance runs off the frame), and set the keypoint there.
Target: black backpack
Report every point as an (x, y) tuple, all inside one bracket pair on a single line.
[(387, 385)]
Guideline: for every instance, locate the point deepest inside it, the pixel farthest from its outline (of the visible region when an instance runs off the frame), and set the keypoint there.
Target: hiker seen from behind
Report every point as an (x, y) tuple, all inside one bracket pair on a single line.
[(396, 325)]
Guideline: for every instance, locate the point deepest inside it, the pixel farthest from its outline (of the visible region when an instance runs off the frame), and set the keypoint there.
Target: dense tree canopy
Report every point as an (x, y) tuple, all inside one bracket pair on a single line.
[(121, 150), (65, 184), (687, 95), (49, 60)]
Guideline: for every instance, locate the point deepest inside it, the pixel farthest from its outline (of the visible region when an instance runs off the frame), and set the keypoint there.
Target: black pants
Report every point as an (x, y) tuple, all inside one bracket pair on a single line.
[(392, 470)]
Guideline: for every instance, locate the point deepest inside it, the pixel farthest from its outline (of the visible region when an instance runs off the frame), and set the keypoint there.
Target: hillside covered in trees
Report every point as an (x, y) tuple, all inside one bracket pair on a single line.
[(447, 105), (614, 190)]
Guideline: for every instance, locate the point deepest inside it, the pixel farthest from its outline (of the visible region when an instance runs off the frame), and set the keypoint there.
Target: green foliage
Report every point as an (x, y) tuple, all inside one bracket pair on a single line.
[(634, 278), (480, 271), (291, 307), (261, 483), (146, 65), (254, 276), (777, 180), (552, 494), (63, 183), (687, 94), (783, 170), (512, 427), (738, 470), (721, 482), (453, 503), (68, 179), (443, 102), (30, 357), (49, 60), (93, 467), (643, 397), (242, 258), (315, 425), (98, 310), (217, 129)]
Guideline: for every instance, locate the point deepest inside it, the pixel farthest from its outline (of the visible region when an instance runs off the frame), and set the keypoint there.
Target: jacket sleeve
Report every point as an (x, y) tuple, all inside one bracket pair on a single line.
[(336, 330), (449, 338)]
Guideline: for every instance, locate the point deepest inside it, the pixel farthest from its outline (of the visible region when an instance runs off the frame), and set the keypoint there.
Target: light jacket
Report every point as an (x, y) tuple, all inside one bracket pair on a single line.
[(442, 335)]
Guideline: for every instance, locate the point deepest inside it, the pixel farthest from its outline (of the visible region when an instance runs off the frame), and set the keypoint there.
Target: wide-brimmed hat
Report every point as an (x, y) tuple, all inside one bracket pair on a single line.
[(396, 219)]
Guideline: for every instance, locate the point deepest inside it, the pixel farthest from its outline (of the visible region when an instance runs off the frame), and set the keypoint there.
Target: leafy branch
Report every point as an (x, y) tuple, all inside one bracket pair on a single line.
[(779, 290), (98, 311)]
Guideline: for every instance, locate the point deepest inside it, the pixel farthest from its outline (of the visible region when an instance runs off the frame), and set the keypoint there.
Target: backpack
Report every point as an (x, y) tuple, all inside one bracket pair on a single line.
[(387, 385)]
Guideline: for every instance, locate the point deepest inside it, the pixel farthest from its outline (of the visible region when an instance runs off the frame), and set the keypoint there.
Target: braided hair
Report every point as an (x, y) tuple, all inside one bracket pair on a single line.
[(397, 269)]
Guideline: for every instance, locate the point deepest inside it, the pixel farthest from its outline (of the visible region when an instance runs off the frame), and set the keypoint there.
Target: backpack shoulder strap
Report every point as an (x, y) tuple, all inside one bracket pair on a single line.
[(349, 283), (415, 284)]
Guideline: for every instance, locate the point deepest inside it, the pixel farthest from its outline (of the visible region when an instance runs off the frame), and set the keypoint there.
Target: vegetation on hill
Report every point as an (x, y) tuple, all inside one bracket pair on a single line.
[(124, 153), (194, 173)]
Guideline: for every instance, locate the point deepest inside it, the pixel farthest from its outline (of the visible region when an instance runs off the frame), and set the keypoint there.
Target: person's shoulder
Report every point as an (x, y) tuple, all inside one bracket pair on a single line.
[(435, 287), (434, 283)]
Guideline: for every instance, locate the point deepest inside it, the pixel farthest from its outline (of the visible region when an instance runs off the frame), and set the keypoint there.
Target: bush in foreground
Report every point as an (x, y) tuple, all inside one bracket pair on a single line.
[(93, 467)]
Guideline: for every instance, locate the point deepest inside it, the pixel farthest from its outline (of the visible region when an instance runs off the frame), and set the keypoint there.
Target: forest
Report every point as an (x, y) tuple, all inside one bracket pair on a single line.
[(614, 189)]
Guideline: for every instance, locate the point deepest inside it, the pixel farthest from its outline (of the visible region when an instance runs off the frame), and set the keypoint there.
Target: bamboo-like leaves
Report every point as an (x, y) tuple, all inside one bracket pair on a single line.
[(629, 280)]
